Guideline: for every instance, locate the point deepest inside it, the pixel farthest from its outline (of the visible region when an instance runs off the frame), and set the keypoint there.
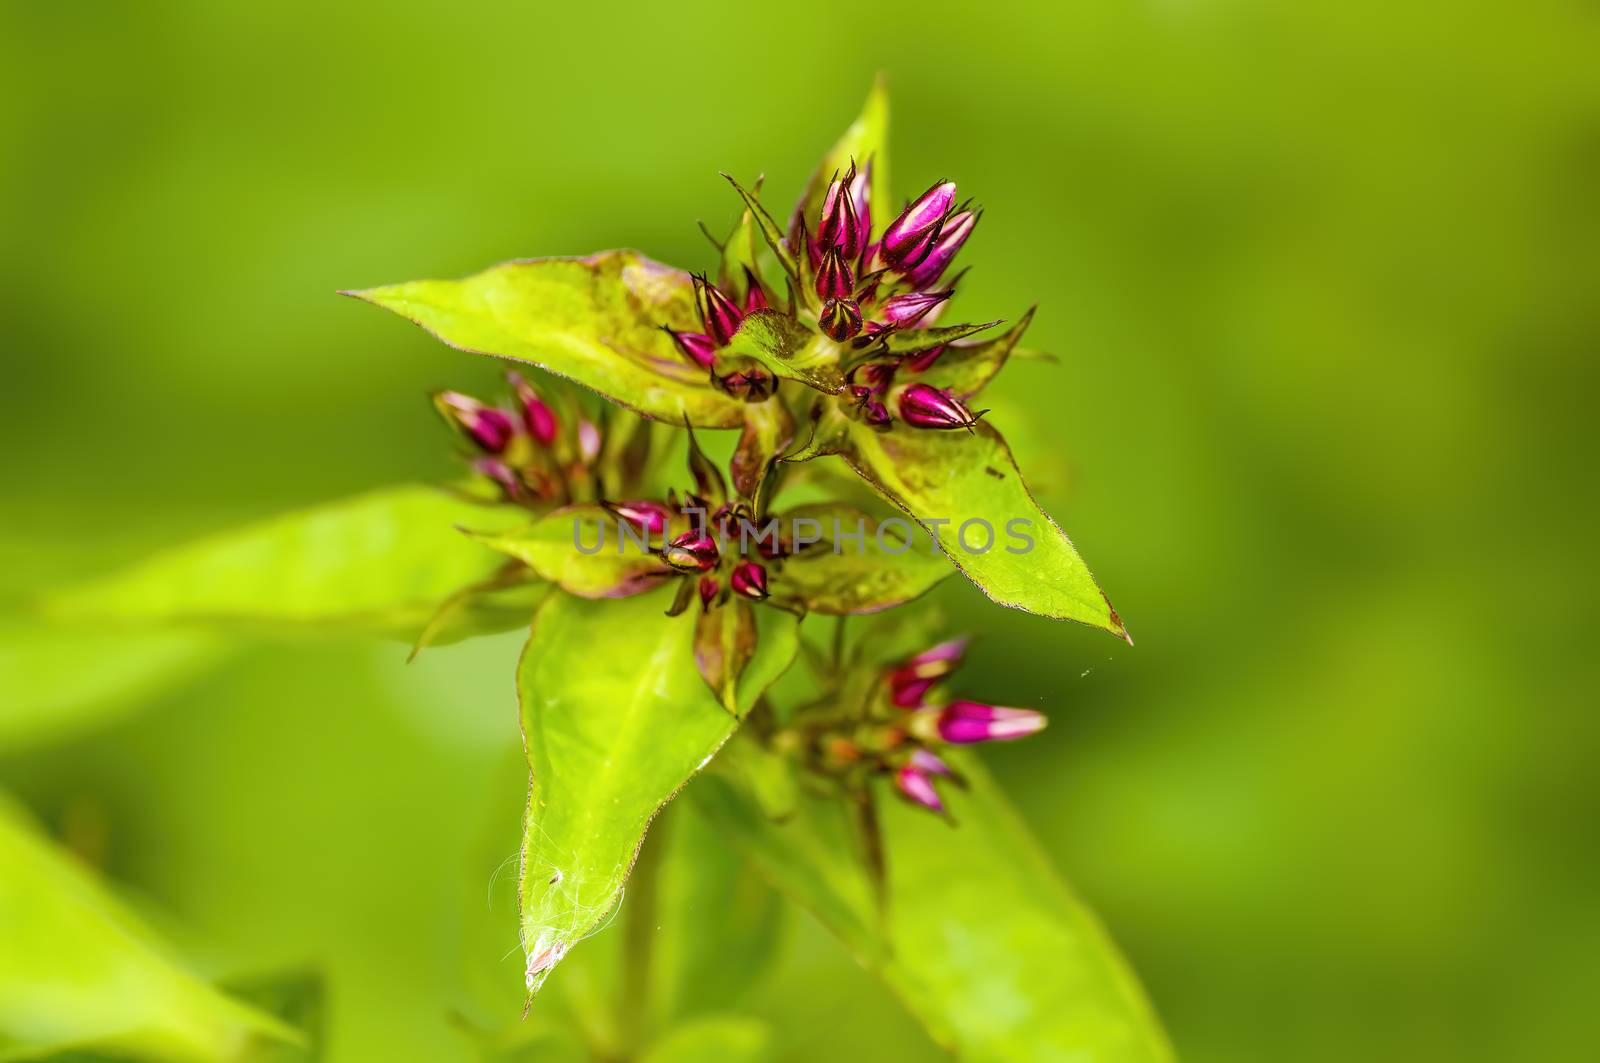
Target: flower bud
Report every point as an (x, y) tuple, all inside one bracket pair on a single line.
[(834, 278), (649, 517), (755, 297), (952, 235), (752, 385), (840, 227), (490, 428), (695, 346), (906, 310), (588, 442), (916, 787), (909, 238), (750, 580), (875, 413), (861, 199), (963, 722), (500, 473), (925, 406), (922, 361), (910, 682), (840, 319), (693, 551), (718, 316), (538, 417), (709, 588), (929, 764)]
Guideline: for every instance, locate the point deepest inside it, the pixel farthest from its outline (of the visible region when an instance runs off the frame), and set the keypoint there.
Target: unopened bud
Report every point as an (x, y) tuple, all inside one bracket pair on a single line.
[(695, 346), (750, 580), (963, 722), (909, 238), (840, 319), (693, 551), (718, 315), (916, 787), (906, 310), (952, 234), (490, 428), (834, 277), (840, 226), (538, 417), (925, 406)]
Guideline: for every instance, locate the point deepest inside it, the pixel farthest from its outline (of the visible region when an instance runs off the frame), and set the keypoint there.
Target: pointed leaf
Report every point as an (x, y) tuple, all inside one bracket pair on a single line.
[(769, 228), (964, 369), (1014, 552), (890, 564), (981, 940), (586, 551), (380, 562), (905, 341), (615, 719), (595, 320), (79, 972), (866, 139)]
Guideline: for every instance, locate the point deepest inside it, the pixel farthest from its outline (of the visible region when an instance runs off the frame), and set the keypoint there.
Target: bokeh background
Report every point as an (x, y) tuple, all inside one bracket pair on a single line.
[(1321, 277)]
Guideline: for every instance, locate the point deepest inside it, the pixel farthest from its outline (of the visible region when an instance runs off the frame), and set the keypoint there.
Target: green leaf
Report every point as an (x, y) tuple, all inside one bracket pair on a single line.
[(962, 477), (584, 550), (615, 720), (78, 971), (725, 1038), (981, 940), (381, 562), (839, 575), (769, 228), (790, 350), (594, 320), (866, 139), (724, 640), (904, 341), (58, 682), (964, 369)]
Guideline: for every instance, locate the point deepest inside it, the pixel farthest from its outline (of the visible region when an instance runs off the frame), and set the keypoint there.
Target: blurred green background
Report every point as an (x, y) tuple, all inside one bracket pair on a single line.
[(1322, 280)]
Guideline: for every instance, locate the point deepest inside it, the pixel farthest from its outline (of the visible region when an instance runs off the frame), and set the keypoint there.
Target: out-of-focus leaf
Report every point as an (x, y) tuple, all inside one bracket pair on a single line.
[(594, 320), (981, 939), (1016, 554), (584, 550), (77, 971), (297, 999), (964, 369), (615, 719), (725, 1038), (724, 639), (56, 682), (381, 562), (789, 350), (718, 920), (842, 575), (768, 430), (867, 140)]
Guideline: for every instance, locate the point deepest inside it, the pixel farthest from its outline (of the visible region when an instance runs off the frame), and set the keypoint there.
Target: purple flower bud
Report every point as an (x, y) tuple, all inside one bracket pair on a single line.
[(922, 361), (834, 278), (840, 319), (755, 297), (709, 588), (649, 517), (840, 226), (963, 722), (906, 310), (752, 385), (910, 682), (500, 473), (489, 428), (750, 580), (588, 442), (910, 237), (925, 406), (926, 762), (718, 315), (693, 551), (539, 418), (861, 199), (875, 412), (916, 787), (695, 346), (952, 235)]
